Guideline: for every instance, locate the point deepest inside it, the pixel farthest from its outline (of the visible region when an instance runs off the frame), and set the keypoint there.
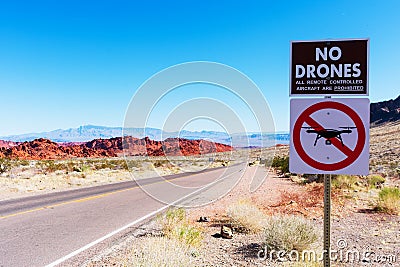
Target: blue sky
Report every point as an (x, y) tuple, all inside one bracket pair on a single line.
[(69, 63)]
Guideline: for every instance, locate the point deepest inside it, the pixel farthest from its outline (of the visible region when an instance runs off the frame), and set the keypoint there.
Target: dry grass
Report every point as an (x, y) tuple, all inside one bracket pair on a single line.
[(389, 201), (288, 232), (159, 251), (246, 217), (345, 181)]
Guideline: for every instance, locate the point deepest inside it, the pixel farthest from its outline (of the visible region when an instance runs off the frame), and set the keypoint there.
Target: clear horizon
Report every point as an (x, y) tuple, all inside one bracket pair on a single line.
[(71, 63)]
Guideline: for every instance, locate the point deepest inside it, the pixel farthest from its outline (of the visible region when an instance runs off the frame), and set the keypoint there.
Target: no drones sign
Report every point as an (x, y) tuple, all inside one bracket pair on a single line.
[(331, 67), (329, 136)]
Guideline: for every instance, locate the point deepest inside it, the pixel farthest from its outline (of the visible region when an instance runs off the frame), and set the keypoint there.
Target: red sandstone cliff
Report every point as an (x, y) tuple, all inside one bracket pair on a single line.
[(113, 147)]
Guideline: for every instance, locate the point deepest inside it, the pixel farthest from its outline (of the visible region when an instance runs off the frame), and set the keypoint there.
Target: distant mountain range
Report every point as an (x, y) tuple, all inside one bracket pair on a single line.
[(81, 134), (381, 112), (89, 132)]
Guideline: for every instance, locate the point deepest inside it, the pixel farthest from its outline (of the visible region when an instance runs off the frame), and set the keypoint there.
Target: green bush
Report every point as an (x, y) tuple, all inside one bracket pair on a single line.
[(175, 225), (101, 164), (281, 163), (119, 164), (389, 201), (50, 165), (375, 180), (21, 162), (171, 218), (5, 165), (81, 168), (160, 163), (112, 164)]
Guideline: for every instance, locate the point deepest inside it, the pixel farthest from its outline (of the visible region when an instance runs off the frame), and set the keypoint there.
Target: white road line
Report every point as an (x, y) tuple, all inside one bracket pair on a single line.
[(76, 252)]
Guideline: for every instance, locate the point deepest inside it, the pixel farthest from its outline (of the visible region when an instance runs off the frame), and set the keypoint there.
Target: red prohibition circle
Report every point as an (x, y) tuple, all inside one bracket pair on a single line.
[(351, 157)]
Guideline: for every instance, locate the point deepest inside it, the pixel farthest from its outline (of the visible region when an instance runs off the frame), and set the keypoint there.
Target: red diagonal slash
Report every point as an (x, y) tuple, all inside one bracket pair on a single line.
[(343, 148)]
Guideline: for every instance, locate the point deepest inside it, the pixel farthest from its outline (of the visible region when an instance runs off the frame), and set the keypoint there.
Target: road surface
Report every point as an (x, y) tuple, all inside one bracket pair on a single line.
[(48, 229)]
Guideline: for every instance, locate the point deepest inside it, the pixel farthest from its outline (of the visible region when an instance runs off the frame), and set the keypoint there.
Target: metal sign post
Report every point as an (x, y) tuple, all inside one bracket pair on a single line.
[(327, 219)]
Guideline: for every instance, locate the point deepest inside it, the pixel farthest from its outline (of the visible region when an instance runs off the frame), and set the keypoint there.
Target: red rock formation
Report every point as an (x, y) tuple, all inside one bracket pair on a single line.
[(113, 147), (7, 144)]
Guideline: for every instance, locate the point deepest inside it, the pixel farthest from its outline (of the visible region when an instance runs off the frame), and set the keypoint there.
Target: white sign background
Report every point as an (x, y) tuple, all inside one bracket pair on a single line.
[(329, 118)]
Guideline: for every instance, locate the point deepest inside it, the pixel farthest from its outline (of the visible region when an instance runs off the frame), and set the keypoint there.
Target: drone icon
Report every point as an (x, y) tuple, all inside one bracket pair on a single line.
[(329, 133)]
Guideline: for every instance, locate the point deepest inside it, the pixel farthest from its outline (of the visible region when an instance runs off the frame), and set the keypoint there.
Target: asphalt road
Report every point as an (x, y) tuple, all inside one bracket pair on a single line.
[(43, 230)]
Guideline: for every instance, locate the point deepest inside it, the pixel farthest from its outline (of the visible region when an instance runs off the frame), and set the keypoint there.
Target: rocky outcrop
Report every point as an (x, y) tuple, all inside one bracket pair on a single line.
[(385, 111), (46, 149)]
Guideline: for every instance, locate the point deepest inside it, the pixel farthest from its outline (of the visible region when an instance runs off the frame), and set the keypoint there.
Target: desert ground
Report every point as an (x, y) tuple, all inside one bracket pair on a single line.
[(361, 219)]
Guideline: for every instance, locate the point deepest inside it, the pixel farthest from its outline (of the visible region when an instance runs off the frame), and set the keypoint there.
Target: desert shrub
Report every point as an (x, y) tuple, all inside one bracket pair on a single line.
[(159, 251), (175, 225), (5, 165), (375, 180), (389, 200), (134, 164), (20, 162), (288, 232), (112, 164), (344, 181), (282, 163), (189, 234), (101, 164), (119, 164), (171, 218), (81, 168), (51, 165), (24, 162), (70, 165), (160, 163), (246, 217)]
